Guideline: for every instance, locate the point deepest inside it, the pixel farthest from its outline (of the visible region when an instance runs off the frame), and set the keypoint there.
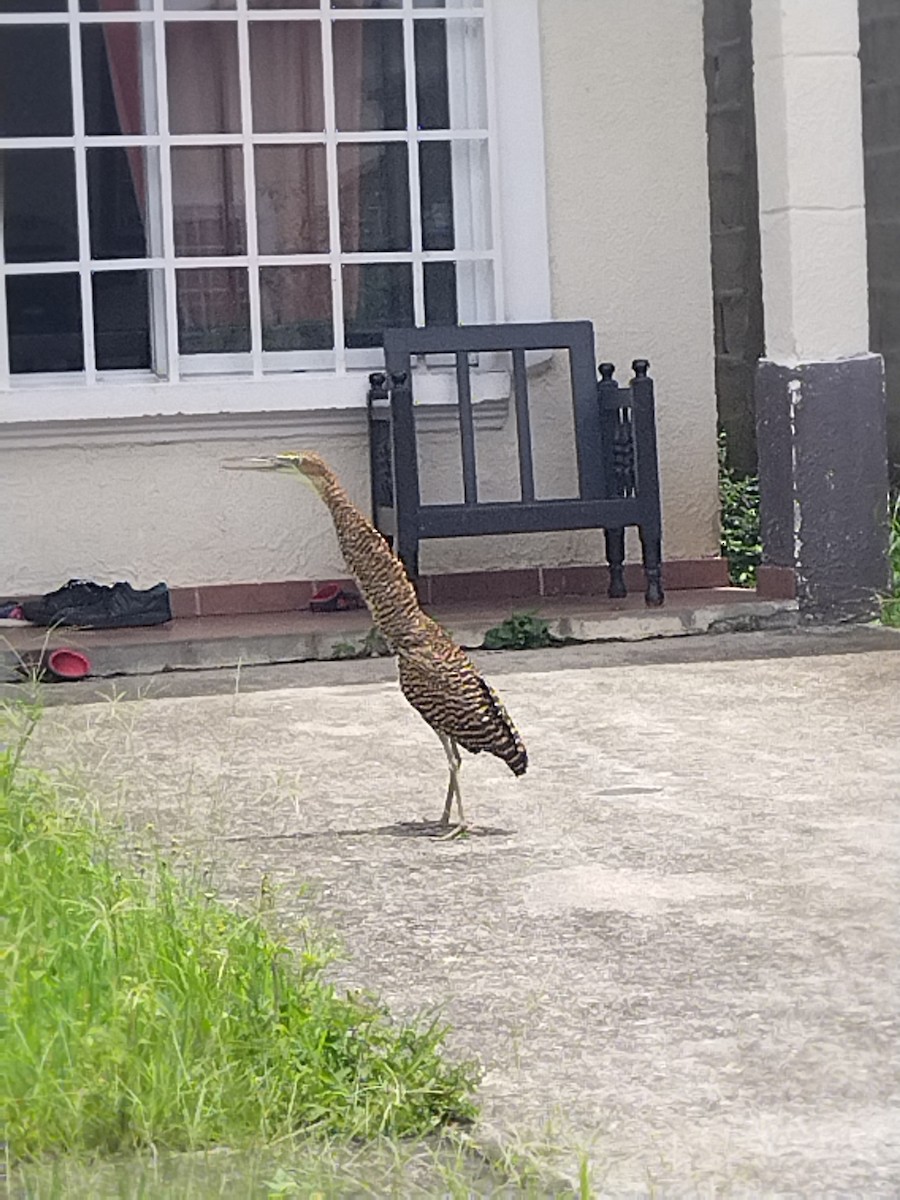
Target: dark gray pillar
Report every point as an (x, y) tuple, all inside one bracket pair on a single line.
[(734, 221), (823, 477), (879, 55)]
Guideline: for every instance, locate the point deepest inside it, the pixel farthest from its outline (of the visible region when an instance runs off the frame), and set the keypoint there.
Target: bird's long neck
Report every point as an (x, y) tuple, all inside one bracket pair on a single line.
[(385, 586)]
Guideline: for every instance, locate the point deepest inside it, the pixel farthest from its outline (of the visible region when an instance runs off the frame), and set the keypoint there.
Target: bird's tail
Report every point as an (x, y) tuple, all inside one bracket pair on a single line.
[(516, 758), (508, 746)]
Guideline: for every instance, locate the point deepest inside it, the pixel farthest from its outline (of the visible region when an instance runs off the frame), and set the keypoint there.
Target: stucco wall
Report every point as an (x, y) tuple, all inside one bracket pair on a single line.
[(629, 231), (625, 110)]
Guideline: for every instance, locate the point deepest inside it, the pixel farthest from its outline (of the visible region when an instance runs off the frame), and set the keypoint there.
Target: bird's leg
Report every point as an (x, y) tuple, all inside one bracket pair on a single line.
[(453, 789)]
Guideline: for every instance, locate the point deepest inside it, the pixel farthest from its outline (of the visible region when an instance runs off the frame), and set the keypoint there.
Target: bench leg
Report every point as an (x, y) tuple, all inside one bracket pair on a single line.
[(615, 557), (651, 546), (406, 547)]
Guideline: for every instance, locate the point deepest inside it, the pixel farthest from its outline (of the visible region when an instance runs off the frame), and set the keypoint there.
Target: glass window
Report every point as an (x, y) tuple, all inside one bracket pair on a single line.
[(231, 192)]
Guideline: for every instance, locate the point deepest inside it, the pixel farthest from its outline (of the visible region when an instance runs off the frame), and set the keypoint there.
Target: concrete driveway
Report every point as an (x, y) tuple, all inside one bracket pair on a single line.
[(676, 939)]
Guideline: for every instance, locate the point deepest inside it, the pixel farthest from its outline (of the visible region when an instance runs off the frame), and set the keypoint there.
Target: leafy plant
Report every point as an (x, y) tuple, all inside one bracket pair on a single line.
[(739, 507), (140, 1011), (345, 650), (372, 645), (890, 604), (521, 631)]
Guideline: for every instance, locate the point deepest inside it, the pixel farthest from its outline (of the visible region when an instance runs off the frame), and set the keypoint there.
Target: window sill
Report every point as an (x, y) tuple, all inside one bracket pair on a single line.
[(144, 412)]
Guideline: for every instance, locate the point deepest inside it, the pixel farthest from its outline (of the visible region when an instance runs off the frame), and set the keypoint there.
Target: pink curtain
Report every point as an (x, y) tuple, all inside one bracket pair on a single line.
[(124, 53), (208, 185)]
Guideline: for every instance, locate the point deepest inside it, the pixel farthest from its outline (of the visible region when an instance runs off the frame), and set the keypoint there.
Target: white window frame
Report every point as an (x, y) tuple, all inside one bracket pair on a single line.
[(518, 250)]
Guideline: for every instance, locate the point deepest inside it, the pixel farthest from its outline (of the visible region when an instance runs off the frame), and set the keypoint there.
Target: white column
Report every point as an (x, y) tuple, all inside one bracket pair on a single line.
[(812, 200)]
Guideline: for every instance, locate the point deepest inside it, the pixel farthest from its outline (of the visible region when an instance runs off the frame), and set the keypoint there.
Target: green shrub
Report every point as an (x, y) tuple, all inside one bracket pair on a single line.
[(521, 631), (890, 604), (372, 645), (739, 509), (138, 1010)]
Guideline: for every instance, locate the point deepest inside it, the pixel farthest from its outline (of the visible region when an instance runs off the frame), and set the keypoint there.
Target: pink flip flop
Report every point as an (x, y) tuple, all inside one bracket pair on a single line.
[(333, 598)]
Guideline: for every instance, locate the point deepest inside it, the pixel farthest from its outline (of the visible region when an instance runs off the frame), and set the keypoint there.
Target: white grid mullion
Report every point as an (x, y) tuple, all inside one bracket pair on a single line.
[(202, 263), (165, 180), (60, 18), (331, 167), (253, 284), (415, 191), (235, 139), (391, 14), (268, 14), (37, 143), (81, 198)]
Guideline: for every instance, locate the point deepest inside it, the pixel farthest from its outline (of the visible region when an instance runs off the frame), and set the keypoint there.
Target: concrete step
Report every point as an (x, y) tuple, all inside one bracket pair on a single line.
[(209, 642)]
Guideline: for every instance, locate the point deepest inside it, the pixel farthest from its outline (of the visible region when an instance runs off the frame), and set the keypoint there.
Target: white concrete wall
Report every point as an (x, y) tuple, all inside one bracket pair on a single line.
[(626, 177), (625, 105), (811, 194)]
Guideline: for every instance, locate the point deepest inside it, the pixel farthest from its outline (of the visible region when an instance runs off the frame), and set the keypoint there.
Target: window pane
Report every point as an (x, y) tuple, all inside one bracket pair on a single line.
[(120, 5), (450, 74), (286, 77), (44, 323), (291, 199), (296, 308), (202, 64), (283, 4), (40, 218), (376, 296), (369, 90), (116, 59), (35, 84), (450, 221), (440, 293), (208, 200), (436, 182), (432, 85), (117, 201), (32, 6), (193, 5), (373, 182), (213, 311), (366, 3), (122, 319)]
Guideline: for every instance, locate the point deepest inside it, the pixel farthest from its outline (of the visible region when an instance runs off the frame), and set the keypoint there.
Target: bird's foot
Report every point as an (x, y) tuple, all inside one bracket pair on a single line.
[(456, 832)]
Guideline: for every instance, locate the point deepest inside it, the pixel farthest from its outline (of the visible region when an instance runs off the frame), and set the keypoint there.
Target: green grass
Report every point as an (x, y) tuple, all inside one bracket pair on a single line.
[(137, 1010), (890, 604), (451, 1166)]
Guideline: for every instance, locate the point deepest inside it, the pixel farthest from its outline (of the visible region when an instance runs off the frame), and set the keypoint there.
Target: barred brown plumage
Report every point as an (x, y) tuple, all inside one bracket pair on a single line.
[(437, 678)]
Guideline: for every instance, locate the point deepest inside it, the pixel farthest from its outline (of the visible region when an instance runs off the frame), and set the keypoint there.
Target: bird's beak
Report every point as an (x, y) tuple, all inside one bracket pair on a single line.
[(268, 462)]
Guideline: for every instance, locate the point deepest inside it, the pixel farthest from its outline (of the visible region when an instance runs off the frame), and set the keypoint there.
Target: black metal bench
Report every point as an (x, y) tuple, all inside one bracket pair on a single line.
[(615, 436)]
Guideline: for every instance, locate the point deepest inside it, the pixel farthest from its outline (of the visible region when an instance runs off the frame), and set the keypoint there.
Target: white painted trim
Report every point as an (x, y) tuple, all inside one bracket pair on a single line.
[(271, 424), (521, 185), (144, 396)]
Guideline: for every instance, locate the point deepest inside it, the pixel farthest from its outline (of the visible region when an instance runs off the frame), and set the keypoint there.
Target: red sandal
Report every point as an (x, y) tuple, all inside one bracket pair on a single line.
[(333, 598)]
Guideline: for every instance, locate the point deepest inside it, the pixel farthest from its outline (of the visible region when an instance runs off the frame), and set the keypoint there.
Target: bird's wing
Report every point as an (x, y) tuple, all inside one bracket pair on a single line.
[(447, 691)]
